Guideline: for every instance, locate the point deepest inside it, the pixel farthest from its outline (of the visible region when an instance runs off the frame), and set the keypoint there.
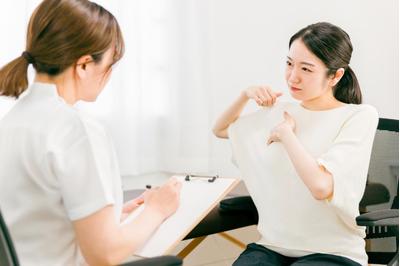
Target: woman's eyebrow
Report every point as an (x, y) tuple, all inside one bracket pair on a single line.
[(303, 62)]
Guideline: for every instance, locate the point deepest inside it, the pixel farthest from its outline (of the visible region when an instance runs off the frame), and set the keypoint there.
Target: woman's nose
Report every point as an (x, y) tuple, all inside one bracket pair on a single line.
[(293, 76)]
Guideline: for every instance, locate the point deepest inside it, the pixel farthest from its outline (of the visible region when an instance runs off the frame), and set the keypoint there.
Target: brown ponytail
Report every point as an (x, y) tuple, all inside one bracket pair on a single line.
[(14, 77), (348, 90), (59, 33)]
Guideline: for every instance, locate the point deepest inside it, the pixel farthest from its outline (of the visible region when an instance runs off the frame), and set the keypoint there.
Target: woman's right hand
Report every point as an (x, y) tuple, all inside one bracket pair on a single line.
[(164, 200), (262, 95)]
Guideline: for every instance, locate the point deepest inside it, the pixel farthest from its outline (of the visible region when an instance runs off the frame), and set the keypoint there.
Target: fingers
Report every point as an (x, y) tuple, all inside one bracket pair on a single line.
[(139, 200), (273, 96), (277, 130), (263, 95), (133, 204), (266, 96), (172, 179), (178, 186), (276, 95), (130, 207), (272, 137), (174, 183), (286, 116), (263, 98), (259, 97), (290, 120), (166, 199)]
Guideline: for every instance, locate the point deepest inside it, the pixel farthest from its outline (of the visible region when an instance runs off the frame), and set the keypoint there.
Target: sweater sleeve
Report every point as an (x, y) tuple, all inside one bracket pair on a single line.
[(348, 160)]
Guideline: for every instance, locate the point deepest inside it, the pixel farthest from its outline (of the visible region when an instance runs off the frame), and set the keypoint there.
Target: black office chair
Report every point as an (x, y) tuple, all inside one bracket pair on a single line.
[(384, 223), (8, 255), (240, 212)]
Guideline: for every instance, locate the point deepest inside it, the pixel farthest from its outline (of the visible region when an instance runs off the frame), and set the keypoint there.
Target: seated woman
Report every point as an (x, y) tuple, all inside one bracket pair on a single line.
[(305, 163), (60, 187)]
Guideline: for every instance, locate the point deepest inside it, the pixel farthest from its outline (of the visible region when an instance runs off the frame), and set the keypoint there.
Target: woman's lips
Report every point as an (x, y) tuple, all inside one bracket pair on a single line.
[(294, 89)]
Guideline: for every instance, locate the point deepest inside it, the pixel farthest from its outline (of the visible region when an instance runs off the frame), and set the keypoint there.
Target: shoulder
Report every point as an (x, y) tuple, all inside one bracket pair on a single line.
[(363, 111), (362, 117), (365, 108), (72, 126)]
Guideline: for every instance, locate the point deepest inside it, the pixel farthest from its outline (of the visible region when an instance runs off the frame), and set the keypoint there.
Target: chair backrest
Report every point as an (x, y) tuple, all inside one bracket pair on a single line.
[(8, 256), (384, 163), (383, 178)]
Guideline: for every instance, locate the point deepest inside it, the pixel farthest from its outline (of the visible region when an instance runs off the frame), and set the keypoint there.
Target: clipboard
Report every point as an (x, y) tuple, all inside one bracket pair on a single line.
[(199, 195)]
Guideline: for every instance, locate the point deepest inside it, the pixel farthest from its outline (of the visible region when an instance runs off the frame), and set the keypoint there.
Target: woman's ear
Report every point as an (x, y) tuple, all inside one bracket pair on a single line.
[(336, 78), (81, 65)]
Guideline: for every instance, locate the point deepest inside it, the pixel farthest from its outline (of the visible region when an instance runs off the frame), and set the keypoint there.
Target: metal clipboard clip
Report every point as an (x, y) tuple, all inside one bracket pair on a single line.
[(210, 178)]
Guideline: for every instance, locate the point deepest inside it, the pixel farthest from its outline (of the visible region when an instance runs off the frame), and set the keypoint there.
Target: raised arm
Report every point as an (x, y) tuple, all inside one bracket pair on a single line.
[(262, 95), (103, 241)]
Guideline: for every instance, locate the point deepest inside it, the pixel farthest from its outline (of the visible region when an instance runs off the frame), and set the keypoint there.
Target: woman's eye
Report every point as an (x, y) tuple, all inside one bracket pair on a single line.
[(306, 69), (288, 63)]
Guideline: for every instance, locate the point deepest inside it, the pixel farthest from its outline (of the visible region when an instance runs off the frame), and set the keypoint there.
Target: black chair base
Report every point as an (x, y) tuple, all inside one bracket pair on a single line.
[(386, 258)]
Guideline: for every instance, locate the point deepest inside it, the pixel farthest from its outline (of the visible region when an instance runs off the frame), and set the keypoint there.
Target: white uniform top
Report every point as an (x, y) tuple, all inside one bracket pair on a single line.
[(291, 221), (56, 166)]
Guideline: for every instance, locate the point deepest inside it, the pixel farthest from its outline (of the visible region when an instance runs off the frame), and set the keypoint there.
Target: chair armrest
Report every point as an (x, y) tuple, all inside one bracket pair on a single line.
[(235, 204), (232, 213), (159, 261), (388, 217)]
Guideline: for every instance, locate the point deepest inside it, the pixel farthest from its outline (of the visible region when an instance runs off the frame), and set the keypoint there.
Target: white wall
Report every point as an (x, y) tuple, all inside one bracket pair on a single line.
[(247, 42), (225, 46)]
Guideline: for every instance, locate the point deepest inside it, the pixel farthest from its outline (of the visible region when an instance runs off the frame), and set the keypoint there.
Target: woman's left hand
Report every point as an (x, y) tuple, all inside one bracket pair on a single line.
[(289, 124), (131, 205)]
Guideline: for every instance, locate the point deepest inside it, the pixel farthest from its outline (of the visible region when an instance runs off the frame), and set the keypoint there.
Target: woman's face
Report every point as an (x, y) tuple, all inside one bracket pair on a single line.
[(96, 77), (306, 74)]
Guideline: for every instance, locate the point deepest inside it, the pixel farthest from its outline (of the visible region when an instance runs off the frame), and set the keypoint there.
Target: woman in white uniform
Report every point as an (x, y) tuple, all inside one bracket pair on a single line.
[(60, 189), (305, 163)]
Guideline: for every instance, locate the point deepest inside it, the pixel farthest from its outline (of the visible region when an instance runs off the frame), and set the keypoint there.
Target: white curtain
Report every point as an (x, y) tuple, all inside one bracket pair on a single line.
[(155, 106)]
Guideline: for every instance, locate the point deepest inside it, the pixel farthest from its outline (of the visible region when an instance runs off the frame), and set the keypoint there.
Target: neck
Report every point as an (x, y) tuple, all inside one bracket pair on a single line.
[(65, 86), (323, 102)]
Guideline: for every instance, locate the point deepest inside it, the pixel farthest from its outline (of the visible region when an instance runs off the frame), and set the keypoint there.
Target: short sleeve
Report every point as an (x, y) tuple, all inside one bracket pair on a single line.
[(81, 162), (348, 160)]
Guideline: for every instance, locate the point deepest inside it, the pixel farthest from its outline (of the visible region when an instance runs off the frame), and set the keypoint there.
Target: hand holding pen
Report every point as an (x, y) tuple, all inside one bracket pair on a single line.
[(163, 200)]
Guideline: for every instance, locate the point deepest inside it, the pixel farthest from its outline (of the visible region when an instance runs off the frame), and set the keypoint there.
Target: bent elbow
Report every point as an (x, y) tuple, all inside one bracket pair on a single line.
[(322, 192), (220, 133), (215, 131)]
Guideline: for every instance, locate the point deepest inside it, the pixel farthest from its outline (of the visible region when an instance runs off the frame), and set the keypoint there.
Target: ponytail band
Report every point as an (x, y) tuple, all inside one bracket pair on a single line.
[(28, 57)]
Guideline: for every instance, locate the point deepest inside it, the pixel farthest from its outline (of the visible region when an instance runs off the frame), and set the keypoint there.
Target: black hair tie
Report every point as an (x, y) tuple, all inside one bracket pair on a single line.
[(28, 57)]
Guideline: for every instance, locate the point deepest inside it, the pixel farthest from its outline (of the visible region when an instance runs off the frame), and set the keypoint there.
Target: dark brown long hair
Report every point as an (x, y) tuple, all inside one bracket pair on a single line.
[(332, 45), (59, 33)]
